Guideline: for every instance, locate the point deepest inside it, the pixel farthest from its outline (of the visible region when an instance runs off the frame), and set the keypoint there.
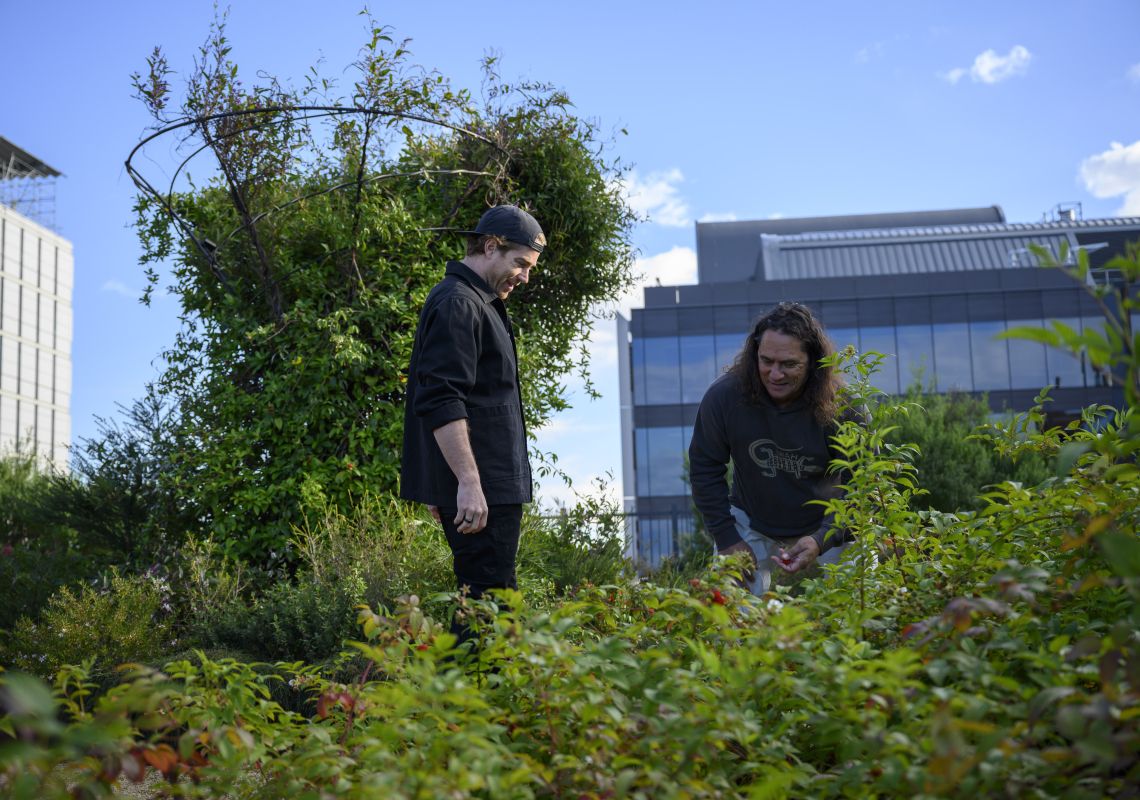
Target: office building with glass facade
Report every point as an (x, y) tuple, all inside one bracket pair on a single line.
[(930, 289)]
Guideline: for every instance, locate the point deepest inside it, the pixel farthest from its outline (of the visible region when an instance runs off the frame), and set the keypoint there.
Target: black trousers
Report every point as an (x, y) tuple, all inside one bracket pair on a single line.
[(484, 560)]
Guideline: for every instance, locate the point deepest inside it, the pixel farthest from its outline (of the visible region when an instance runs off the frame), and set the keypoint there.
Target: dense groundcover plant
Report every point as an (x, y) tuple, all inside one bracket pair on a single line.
[(971, 654)]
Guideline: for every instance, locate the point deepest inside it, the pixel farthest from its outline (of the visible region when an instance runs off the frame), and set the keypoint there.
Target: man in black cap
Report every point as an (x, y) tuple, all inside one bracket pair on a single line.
[(465, 449)]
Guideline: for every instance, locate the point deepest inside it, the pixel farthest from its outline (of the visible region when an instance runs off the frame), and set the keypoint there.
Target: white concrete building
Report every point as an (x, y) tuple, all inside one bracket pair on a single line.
[(36, 278)]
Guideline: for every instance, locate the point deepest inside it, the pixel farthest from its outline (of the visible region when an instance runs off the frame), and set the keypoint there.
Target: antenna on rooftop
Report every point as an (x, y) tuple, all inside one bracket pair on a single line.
[(27, 184), (1064, 212)]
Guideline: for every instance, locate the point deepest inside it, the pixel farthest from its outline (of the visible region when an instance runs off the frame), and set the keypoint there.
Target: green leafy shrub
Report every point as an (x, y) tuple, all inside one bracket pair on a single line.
[(37, 554), (952, 466), (119, 494), (294, 621), (394, 548), (583, 543), (382, 550), (120, 621), (29, 574)]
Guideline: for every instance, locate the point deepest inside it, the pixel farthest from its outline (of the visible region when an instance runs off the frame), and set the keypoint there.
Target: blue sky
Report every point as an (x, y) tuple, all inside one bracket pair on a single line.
[(734, 110)]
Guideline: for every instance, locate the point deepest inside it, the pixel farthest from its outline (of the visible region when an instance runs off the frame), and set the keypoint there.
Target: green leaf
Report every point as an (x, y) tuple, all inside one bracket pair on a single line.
[(1042, 335), (1047, 698), (1067, 457), (1122, 551)]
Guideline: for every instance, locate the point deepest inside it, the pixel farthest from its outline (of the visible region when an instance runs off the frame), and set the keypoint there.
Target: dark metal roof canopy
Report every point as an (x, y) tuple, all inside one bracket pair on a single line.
[(27, 184), (941, 248), (15, 162), (728, 251)]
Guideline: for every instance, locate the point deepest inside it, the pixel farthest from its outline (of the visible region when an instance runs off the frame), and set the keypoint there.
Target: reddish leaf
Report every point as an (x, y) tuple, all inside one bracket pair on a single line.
[(163, 758)]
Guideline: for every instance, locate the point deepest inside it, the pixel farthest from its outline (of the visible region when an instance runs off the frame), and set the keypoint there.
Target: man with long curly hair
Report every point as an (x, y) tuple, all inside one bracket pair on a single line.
[(771, 416)]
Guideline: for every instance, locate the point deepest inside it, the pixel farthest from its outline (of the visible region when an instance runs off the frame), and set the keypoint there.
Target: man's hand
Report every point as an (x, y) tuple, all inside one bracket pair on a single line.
[(742, 547), (472, 505), (434, 511), (800, 555), (455, 444)]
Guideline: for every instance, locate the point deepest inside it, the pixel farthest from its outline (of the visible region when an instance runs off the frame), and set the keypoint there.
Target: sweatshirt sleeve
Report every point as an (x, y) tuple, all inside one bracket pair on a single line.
[(709, 456), (828, 536)]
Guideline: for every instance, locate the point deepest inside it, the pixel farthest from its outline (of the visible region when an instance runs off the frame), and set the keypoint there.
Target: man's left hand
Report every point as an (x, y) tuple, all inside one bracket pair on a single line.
[(800, 555)]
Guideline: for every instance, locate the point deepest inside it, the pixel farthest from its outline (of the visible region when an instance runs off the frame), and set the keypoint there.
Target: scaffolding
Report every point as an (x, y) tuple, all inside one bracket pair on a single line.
[(27, 184)]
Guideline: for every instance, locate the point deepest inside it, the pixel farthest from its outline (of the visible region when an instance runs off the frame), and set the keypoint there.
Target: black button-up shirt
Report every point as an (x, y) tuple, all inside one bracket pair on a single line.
[(464, 366)]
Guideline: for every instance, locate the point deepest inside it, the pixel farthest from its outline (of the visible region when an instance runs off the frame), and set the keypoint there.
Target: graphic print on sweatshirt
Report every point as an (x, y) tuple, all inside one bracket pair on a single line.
[(771, 458)]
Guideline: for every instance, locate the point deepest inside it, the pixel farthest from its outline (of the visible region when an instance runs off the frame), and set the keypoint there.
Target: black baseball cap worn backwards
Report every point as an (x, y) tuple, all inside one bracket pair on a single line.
[(513, 224)]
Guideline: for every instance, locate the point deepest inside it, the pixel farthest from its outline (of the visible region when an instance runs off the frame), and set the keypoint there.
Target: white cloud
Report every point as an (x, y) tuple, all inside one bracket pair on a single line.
[(674, 267), (871, 51), (955, 75), (119, 287), (989, 67), (658, 197), (603, 344), (1115, 172), (1134, 73)]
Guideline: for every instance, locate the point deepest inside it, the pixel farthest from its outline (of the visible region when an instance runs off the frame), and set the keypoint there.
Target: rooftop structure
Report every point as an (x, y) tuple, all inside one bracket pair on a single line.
[(27, 184)]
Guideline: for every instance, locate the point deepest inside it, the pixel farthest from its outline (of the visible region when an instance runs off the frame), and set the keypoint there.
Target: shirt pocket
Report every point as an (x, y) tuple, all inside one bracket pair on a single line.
[(497, 441)]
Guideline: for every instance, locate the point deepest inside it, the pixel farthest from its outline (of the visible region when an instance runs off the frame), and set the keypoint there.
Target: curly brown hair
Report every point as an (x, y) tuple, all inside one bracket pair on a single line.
[(792, 319)]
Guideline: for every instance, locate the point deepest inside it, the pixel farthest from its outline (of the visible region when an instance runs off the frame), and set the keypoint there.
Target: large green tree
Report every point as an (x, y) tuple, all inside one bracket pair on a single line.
[(302, 261)]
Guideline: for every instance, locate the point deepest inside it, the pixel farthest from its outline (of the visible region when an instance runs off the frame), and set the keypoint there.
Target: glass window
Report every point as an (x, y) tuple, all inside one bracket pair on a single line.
[(662, 370), (916, 355), (63, 377), (26, 367), (27, 313), (1065, 369), (882, 340), (1027, 359), (655, 539), (7, 421), (990, 356), (952, 357), (666, 449), (698, 366), (641, 460), (727, 346), (841, 337), (638, 356), (1095, 377)]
